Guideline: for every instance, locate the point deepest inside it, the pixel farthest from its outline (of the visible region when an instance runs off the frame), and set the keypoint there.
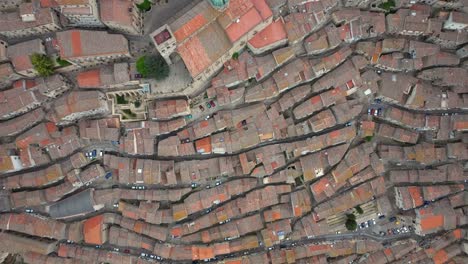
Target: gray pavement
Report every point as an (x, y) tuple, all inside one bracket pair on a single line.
[(179, 78)]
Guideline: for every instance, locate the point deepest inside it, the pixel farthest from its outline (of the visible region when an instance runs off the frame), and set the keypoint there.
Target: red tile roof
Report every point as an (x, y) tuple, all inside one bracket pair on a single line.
[(116, 11), (237, 8), (440, 257), (203, 145), (22, 63), (262, 8), (89, 78), (191, 49), (416, 195), (92, 229), (271, 34), (457, 233), (190, 27), (243, 25), (432, 222), (76, 43)]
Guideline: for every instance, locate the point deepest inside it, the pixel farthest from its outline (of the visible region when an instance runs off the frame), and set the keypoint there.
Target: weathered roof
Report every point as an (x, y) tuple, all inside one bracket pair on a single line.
[(85, 43), (80, 203)]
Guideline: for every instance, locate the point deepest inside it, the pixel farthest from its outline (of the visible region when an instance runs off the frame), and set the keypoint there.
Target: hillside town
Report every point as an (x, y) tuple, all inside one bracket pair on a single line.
[(234, 131)]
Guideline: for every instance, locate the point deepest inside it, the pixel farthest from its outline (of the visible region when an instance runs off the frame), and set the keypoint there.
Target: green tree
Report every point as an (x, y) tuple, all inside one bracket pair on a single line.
[(351, 224), (63, 63), (388, 6), (152, 67), (351, 216), (145, 6), (359, 209), (42, 64), (235, 55)]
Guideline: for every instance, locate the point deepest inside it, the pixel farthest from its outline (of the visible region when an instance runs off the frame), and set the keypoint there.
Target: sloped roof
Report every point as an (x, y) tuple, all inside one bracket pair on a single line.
[(92, 230), (79, 203)]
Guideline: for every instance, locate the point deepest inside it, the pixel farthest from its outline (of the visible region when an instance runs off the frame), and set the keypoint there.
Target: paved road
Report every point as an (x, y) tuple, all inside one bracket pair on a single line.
[(161, 13)]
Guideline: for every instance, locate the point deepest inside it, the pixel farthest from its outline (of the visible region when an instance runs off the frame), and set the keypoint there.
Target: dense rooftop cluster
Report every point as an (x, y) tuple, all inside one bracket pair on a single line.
[(312, 132)]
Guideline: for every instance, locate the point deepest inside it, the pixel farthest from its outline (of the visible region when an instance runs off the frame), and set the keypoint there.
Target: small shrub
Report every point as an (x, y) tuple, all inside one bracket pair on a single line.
[(359, 210), (129, 113), (121, 99), (387, 5), (63, 63), (42, 64), (145, 6)]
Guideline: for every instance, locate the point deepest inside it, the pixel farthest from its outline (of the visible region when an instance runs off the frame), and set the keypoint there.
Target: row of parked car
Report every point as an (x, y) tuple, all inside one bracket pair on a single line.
[(396, 231), (208, 104), (367, 224)]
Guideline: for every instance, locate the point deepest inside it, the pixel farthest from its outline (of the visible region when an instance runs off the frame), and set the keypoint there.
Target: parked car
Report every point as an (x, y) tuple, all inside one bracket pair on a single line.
[(201, 108), (208, 104), (212, 103)]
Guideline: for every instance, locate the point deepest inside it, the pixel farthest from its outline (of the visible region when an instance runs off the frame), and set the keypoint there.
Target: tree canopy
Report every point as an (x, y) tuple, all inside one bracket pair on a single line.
[(388, 5), (359, 209), (152, 66), (351, 216), (144, 6), (42, 64), (351, 224)]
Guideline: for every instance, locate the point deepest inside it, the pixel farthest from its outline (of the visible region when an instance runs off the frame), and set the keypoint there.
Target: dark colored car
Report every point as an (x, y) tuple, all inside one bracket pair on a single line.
[(201, 107), (212, 103)]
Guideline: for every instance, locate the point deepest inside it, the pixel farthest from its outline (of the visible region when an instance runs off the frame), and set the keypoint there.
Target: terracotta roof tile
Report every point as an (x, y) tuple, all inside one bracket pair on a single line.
[(76, 43), (243, 25), (431, 222), (89, 78), (271, 34), (190, 27), (92, 229)]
